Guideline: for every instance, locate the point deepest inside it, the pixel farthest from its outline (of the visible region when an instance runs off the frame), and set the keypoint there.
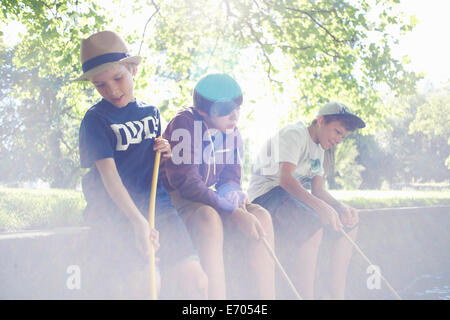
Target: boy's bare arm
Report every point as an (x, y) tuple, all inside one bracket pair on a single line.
[(349, 215), (121, 197), (116, 189), (318, 189), (294, 187), (288, 182)]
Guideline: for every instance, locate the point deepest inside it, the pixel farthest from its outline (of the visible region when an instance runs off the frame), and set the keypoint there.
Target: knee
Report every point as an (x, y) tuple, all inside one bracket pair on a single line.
[(263, 217), (207, 221)]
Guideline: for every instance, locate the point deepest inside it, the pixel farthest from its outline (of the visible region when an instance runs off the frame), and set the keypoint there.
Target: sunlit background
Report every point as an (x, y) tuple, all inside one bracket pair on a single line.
[(265, 109), (400, 161)]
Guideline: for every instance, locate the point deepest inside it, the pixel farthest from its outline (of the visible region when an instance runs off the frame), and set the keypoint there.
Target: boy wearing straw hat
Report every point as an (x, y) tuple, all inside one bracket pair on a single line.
[(288, 164), (117, 141), (207, 149)]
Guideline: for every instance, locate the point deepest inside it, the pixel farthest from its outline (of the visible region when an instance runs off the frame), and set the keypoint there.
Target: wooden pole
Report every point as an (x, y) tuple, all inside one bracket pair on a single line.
[(151, 220), (277, 262), (370, 263)]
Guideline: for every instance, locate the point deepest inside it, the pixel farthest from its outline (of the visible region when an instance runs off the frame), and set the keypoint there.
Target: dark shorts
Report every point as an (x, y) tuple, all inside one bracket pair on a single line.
[(176, 244), (293, 221), (116, 267)]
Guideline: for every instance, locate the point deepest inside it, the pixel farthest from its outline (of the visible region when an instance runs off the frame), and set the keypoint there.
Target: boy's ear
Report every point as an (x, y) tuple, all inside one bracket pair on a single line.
[(134, 72), (321, 121), (202, 113)]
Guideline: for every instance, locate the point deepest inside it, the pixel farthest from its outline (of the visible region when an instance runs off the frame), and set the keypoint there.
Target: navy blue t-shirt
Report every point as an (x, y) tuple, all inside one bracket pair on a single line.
[(125, 134)]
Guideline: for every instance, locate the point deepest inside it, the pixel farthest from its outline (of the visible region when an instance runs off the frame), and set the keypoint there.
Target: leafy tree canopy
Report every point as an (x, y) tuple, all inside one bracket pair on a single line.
[(333, 49), (327, 49)]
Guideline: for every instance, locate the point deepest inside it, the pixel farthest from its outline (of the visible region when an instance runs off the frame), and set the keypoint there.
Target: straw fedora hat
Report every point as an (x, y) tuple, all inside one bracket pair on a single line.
[(102, 50)]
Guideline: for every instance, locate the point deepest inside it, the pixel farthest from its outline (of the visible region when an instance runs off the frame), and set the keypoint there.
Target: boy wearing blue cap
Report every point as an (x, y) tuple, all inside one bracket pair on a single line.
[(207, 149), (279, 182), (117, 142)]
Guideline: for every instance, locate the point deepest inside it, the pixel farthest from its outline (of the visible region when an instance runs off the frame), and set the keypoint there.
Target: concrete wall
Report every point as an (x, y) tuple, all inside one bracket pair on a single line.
[(33, 264), (404, 243)]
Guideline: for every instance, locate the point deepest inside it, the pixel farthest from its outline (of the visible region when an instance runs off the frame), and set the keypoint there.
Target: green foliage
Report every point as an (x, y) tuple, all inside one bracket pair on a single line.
[(31, 209), (413, 148), (433, 119), (45, 109), (329, 49), (416, 150), (334, 49), (374, 159), (375, 199), (347, 169)]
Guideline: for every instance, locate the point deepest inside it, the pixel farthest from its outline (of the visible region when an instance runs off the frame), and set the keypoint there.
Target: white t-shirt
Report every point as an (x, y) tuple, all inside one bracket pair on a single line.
[(292, 144)]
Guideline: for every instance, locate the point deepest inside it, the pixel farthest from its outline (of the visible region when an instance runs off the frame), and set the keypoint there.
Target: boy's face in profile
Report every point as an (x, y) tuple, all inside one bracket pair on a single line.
[(115, 84), (331, 133), (226, 123)]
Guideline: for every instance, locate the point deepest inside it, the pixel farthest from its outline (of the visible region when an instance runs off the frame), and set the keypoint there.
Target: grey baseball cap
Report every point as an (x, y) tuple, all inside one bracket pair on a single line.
[(340, 109)]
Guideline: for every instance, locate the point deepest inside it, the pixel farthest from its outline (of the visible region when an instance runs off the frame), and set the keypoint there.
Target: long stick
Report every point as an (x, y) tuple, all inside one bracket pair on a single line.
[(370, 263), (277, 262), (151, 220)]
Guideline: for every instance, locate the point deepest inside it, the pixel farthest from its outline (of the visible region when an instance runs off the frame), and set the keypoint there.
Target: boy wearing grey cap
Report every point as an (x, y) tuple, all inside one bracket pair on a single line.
[(279, 183)]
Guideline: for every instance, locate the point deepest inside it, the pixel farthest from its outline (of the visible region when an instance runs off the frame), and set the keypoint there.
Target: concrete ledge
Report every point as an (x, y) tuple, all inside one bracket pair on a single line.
[(37, 234), (404, 242), (407, 210), (34, 263)]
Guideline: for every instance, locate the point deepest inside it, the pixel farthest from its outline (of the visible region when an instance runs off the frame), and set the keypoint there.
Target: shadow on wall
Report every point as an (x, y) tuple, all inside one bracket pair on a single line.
[(38, 264), (405, 243)]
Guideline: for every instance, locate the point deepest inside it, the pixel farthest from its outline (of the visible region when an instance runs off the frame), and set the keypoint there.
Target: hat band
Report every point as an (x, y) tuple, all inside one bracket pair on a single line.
[(102, 59)]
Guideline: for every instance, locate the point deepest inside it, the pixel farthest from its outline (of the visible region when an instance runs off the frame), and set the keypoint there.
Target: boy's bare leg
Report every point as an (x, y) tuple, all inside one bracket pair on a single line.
[(187, 281), (206, 230), (260, 262), (340, 259), (306, 265)]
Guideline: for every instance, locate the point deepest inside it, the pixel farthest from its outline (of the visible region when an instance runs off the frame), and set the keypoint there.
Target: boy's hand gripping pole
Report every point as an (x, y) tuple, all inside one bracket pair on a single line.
[(151, 220)]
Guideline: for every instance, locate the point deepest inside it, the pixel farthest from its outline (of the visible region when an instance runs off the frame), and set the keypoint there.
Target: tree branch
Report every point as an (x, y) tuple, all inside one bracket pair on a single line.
[(66, 144), (229, 13), (264, 52), (316, 22), (270, 4), (295, 48), (54, 14), (145, 27)]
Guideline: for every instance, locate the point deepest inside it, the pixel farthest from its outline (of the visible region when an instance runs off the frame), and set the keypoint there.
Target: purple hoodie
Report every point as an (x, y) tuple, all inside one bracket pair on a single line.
[(201, 160)]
